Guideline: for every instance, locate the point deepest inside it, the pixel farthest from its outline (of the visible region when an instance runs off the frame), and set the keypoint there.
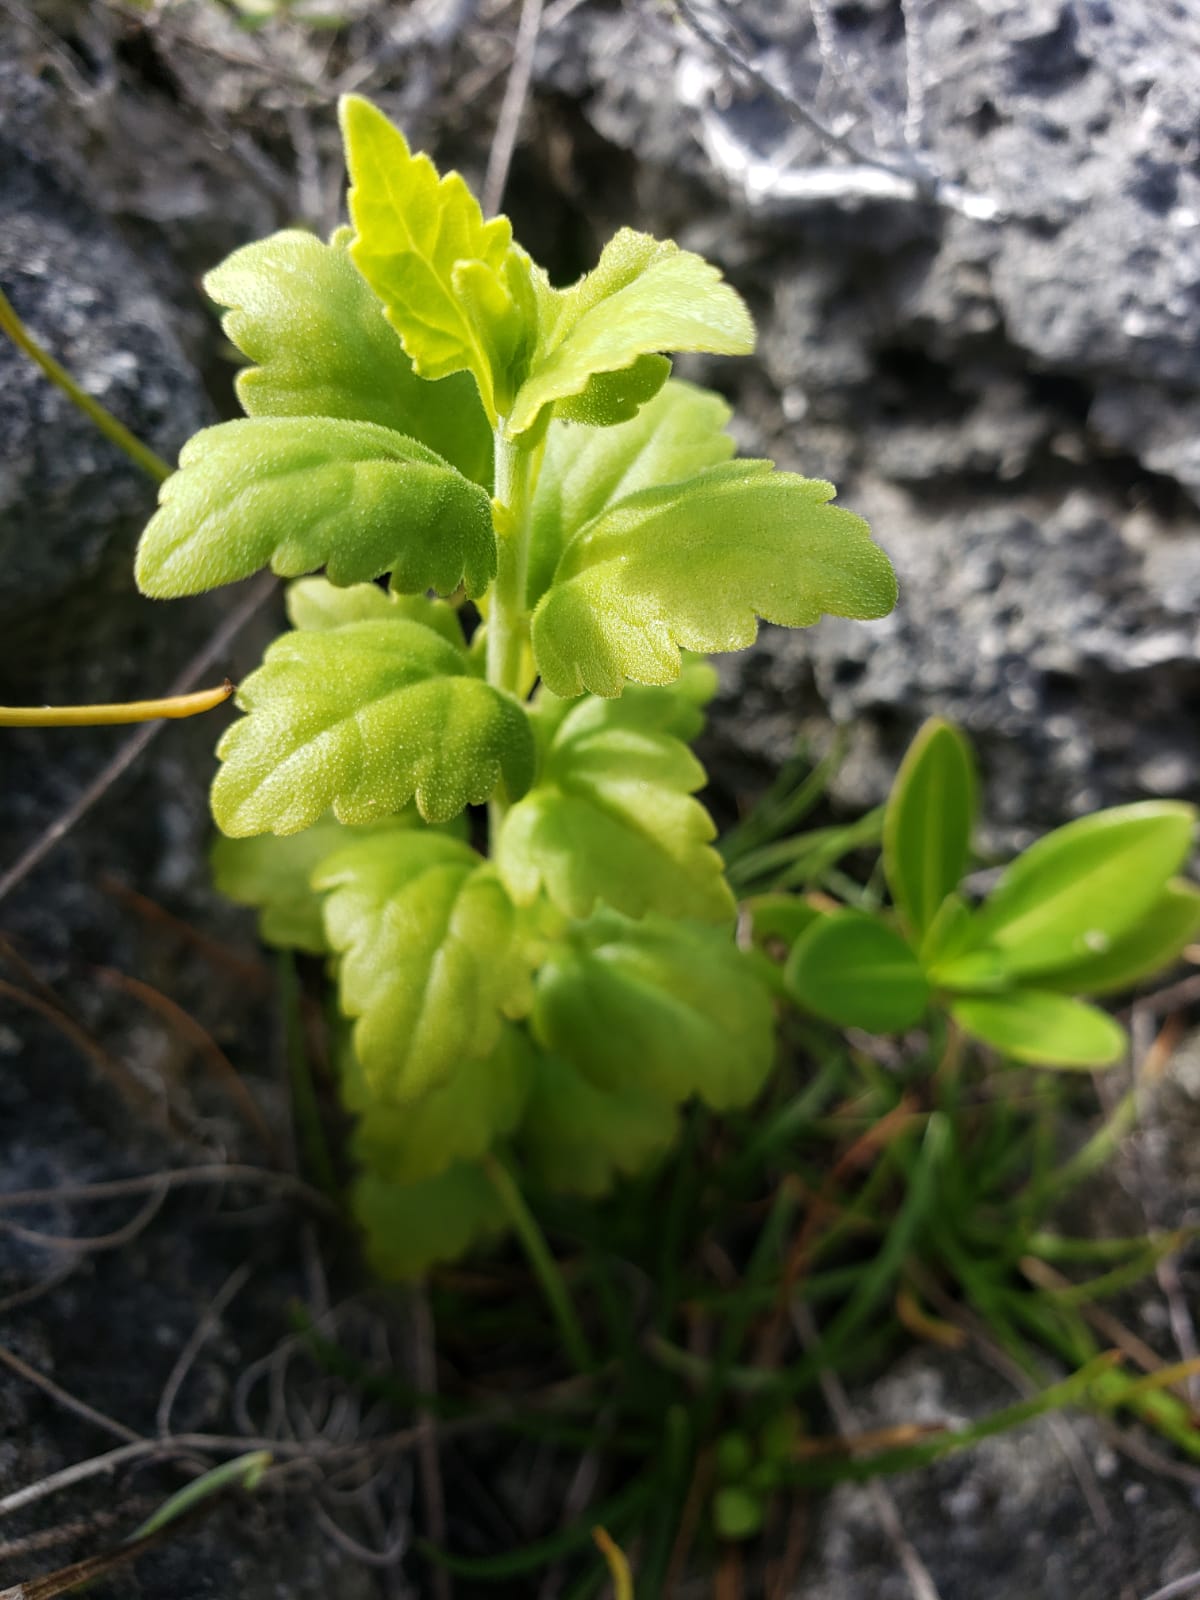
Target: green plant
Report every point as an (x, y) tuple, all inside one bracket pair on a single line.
[(1090, 909), (423, 405)]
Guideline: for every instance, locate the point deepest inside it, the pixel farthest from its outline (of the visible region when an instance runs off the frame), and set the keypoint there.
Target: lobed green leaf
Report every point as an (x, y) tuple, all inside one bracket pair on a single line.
[(434, 958), (361, 719), (274, 876), (298, 493), (409, 1228), (693, 565), (458, 1119), (322, 347), (1082, 886), (577, 1138), (644, 296), (679, 433), (928, 822), (670, 1008), (854, 970), (454, 287), (612, 818), (1042, 1028)]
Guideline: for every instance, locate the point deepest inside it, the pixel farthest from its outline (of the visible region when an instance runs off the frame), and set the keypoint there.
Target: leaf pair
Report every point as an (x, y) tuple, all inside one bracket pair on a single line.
[(464, 298), (1090, 909)]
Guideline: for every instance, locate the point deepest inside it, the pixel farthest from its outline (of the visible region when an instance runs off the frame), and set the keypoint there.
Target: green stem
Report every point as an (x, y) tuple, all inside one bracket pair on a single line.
[(117, 432), (508, 618), (545, 1268)]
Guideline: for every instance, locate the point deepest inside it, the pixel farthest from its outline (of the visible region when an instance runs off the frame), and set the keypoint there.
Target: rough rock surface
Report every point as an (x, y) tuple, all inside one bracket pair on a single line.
[(1011, 399)]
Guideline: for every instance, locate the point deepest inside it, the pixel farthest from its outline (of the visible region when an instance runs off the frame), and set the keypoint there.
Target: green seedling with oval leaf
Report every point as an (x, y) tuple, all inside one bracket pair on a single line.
[(452, 440), (1091, 909)]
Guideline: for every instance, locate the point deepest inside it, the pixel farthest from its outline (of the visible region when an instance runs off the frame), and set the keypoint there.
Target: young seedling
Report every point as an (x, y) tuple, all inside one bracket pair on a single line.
[(1090, 909), (423, 406)]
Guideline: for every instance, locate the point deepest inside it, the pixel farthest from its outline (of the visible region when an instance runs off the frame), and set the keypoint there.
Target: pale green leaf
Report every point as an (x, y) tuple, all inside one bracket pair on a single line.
[(317, 605), (854, 970), (361, 719), (670, 1008), (679, 433), (645, 296), (409, 1228), (452, 285), (1151, 945), (613, 397), (1075, 891), (928, 821), (434, 957), (322, 347), (298, 493), (694, 565), (612, 818), (1044, 1029), (274, 876), (577, 1138), (458, 1119)]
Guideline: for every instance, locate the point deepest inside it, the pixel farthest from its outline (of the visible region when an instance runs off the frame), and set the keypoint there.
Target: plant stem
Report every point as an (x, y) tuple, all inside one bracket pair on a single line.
[(545, 1268), (173, 706), (507, 621), (117, 432), (507, 617)]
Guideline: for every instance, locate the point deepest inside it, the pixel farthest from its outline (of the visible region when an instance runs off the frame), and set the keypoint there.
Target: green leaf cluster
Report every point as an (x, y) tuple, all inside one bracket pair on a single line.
[(524, 530), (1090, 909)]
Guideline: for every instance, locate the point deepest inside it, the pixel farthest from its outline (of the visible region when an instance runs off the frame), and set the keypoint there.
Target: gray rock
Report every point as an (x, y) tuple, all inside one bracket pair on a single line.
[(1007, 1519), (71, 503), (1012, 401)]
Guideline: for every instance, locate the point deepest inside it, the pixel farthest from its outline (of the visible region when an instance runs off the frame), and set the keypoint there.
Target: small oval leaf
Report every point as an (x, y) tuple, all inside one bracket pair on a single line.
[(1042, 1028), (1154, 943), (1073, 892), (856, 971), (928, 822)]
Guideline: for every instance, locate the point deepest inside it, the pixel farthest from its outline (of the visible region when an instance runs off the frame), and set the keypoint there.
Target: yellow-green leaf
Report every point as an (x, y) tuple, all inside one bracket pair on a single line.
[(1075, 891), (612, 818), (452, 285), (458, 1119), (433, 959), (411, 1227), (671, 1008), (694, 565), (645, 296), (676, 435), (298, 493), (361, 719), (1151, 945), (322, 347)]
